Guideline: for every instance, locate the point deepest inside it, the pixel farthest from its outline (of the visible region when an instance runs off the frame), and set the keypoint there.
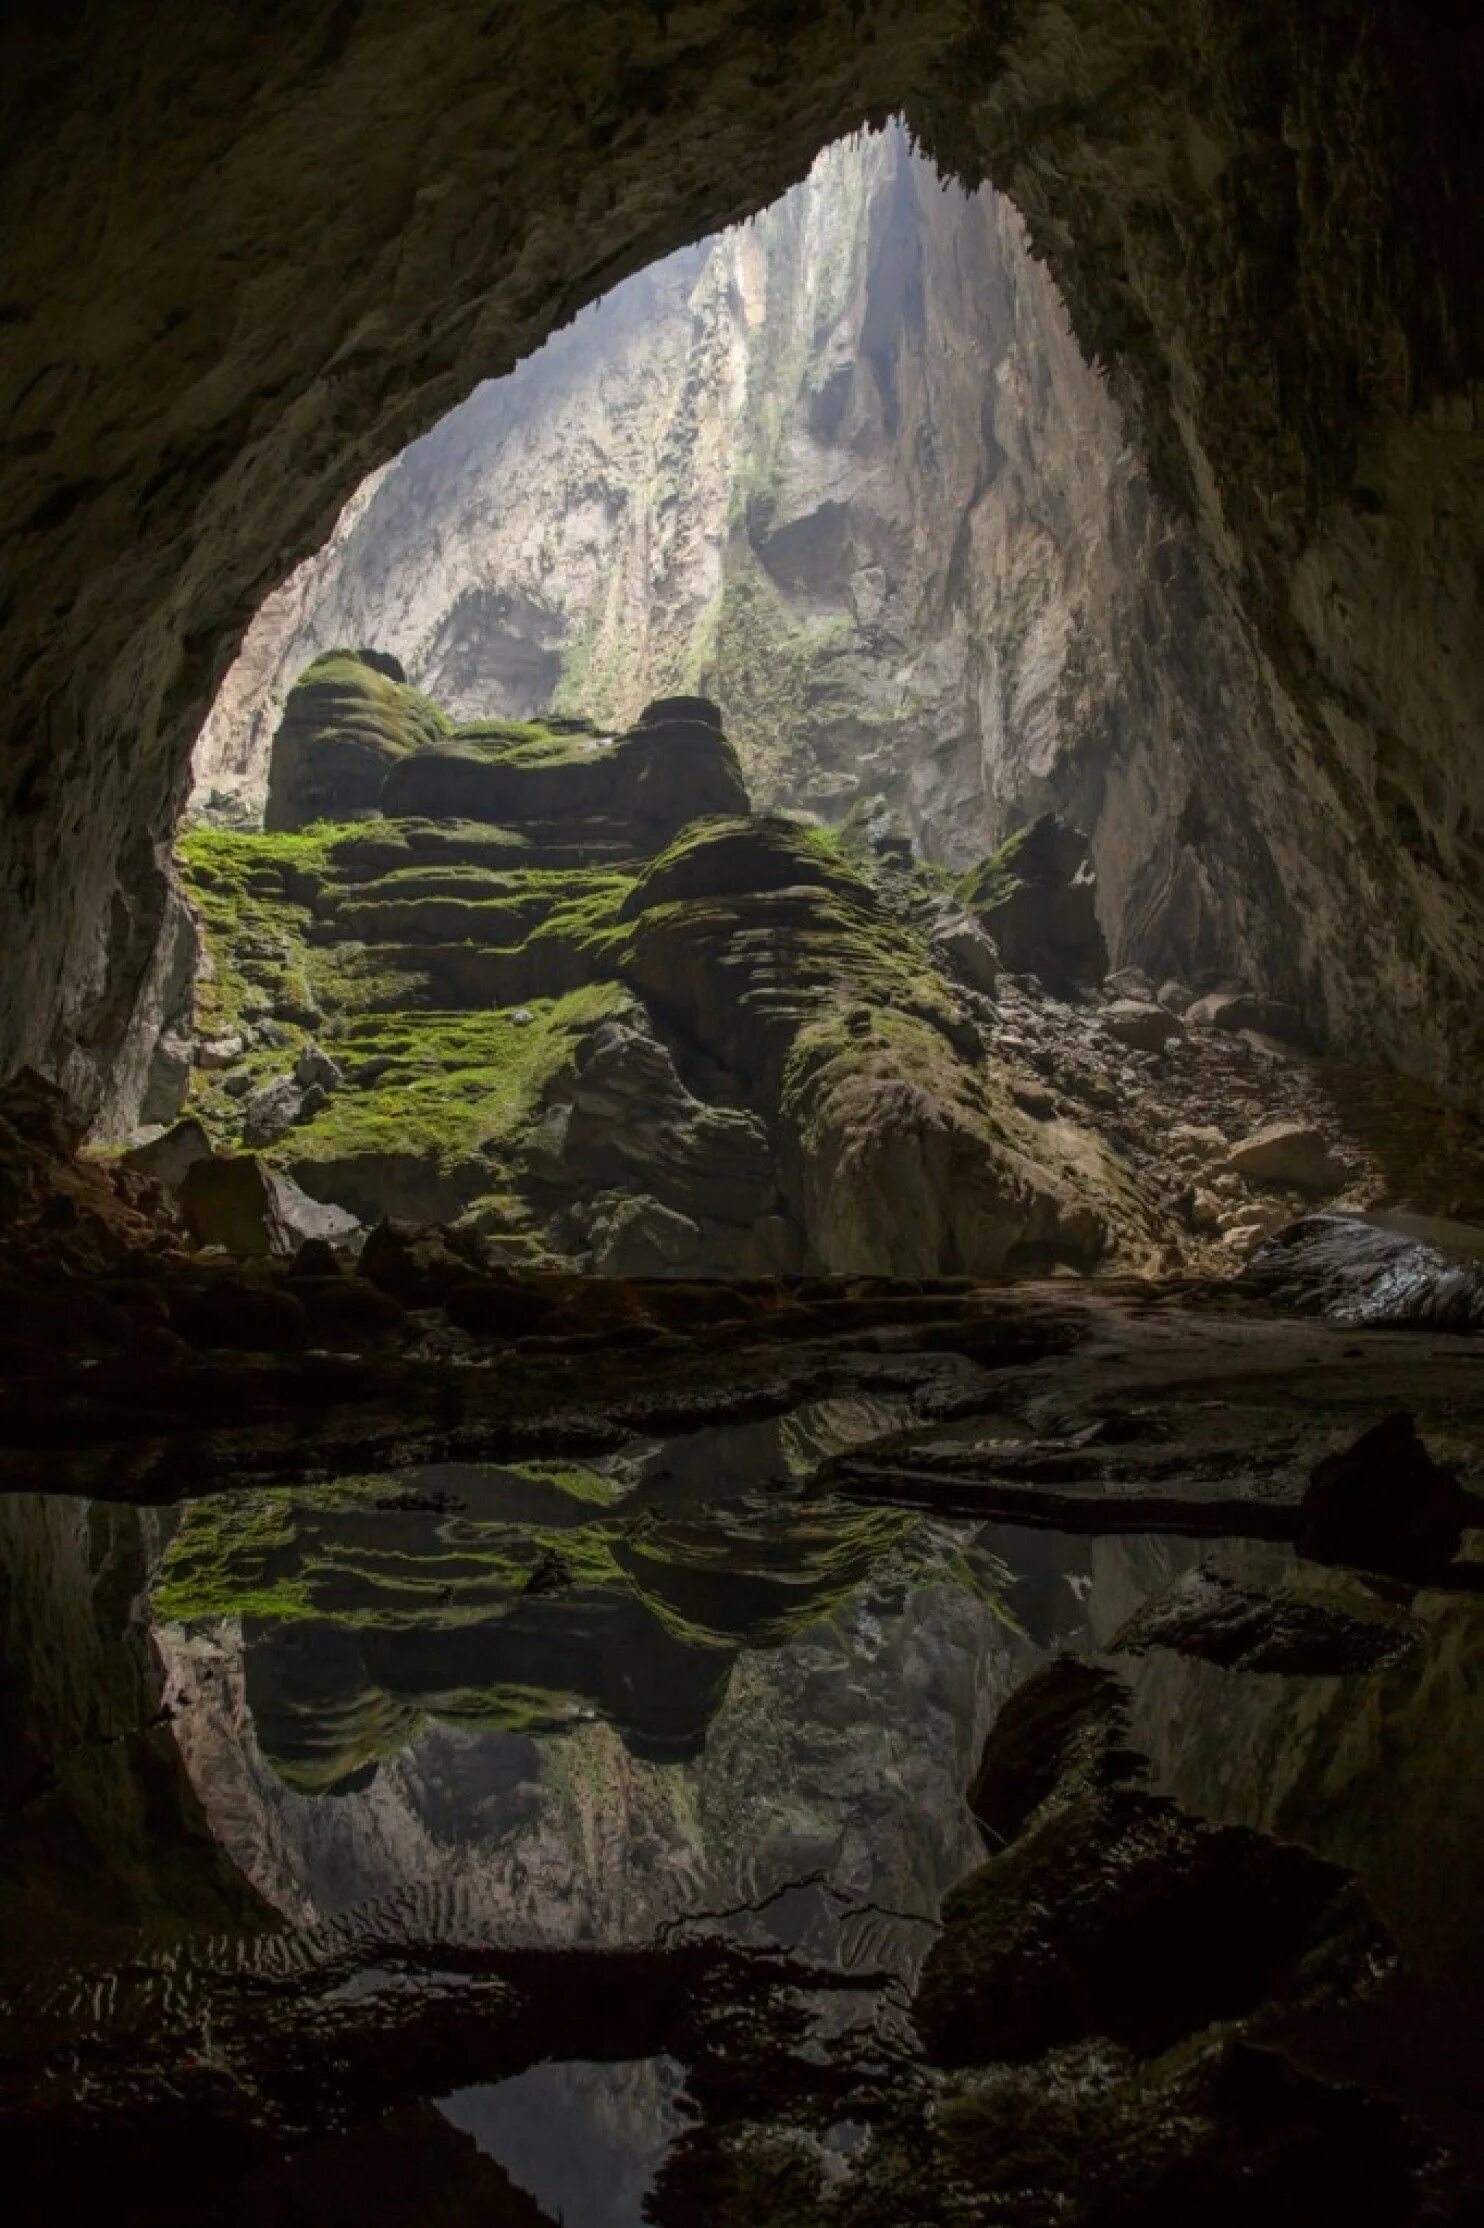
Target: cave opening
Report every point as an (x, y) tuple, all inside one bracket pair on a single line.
[(742, 1432)]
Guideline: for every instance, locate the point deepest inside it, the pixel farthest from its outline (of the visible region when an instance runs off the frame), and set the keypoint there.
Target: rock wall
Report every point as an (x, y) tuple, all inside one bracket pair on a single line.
[(1265, 220), (845, 469)]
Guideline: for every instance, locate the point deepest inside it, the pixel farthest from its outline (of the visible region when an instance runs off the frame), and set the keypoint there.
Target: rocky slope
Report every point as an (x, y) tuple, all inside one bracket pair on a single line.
[(568, 988), (847, 470)]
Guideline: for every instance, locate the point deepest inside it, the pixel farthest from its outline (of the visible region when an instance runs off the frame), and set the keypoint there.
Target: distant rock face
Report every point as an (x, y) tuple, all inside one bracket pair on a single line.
[(846, 470)]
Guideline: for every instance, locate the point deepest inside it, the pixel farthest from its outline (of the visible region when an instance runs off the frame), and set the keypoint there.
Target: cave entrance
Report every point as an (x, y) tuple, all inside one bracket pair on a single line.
[(682, 820)]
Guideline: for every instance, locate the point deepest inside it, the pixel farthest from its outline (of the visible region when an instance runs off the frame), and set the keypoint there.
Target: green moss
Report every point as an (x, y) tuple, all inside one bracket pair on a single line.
[(455, 1085), (521, 743), (741, 857), (994, 879), (900, 1048)]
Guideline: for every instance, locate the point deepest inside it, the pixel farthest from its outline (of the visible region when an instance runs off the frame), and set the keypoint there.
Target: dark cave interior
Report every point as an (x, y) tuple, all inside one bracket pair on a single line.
[(702, 1518)]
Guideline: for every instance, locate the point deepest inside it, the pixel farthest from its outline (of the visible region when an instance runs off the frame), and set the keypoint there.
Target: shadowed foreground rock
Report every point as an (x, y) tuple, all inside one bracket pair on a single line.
[(1354, 1272)]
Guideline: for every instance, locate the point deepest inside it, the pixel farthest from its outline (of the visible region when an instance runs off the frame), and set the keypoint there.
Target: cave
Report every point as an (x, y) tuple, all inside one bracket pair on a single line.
[(743, 1130)]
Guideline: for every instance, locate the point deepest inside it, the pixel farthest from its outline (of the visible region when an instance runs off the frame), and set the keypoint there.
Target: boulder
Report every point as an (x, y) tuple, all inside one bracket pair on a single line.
[(220, 1052), (1384, 1504), (640, 1237), (1353, 1272), (316, 1257), (1233, 1011), (1129, 982), (347, 722), (166, 1158), (1143, 1027), (1293, 1153), (314, 1066), (169, 1076), (963, 949), (412, 1263), (234, 1201), (1176, 997), (271, 1112)]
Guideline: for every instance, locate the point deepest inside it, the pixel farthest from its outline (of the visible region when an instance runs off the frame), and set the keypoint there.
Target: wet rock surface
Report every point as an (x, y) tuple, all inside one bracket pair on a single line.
[(1357, 1272)]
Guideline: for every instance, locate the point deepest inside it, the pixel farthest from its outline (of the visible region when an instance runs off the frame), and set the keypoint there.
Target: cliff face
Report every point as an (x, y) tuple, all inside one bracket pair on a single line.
[(847, 470)]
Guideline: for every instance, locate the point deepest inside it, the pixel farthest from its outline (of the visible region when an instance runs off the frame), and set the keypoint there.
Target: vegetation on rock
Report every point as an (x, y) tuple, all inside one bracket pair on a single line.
[(570, 988)]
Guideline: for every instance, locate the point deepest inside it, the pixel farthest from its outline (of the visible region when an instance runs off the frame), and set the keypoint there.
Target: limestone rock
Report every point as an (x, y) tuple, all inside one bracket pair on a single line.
[(271, 1111), (1293, 1153), (738, 857), (633, 794), (1385, 1504), (630, 1120), (236, 1202), (315, 1066), (1129, 983), (1143, 1027), (1236, 1010), (346, 723), (640, 1237), (220, 1052), (681, 711), (962, 948), (1354, 1272), (169, 1077), (413, 1264), (166, 1158)]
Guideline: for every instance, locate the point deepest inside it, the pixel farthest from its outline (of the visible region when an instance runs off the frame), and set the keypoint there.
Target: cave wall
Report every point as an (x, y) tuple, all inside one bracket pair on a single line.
[(254, 253)]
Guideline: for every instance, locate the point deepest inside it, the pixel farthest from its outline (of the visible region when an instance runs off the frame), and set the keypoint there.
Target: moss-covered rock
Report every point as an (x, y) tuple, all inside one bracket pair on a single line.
[(612, 1039), (629, 796), (347, 722), (741, 857)]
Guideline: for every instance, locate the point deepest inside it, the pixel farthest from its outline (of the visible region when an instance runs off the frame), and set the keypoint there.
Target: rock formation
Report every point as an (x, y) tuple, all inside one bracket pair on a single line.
[(565, 986)]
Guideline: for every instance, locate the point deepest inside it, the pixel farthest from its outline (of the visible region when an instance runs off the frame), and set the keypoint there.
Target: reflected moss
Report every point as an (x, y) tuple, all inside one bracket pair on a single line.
[(526, 1603)]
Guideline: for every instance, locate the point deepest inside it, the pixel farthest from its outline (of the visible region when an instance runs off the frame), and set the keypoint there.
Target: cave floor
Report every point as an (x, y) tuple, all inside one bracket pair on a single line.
[(528, 1782)]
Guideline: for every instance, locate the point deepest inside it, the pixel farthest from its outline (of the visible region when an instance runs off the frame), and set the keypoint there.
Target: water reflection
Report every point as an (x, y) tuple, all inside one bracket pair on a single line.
[(545, 1706), (585, 2141), (581, 1703)]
